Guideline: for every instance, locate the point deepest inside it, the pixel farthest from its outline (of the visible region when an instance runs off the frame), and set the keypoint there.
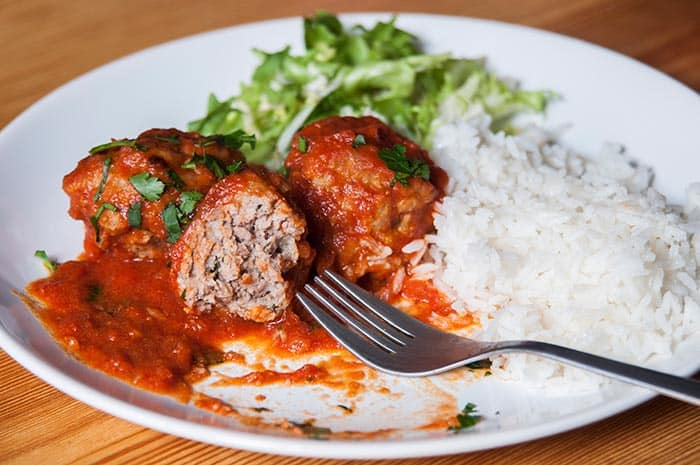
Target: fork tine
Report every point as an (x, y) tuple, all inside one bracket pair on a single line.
[(356, 344), (368, 317), (340, 312), (398, 319)]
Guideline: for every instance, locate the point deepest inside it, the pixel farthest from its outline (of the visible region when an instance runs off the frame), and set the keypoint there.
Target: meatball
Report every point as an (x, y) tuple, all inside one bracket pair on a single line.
[(359, 216), (244, 250), (232, 241), (120, 219)]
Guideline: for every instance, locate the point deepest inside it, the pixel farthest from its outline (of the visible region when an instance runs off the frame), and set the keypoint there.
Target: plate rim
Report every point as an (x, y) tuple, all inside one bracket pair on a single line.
[(375, 449)]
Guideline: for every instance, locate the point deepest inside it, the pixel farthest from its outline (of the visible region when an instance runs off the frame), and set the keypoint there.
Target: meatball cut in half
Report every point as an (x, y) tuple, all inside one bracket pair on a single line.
[(366, 191), (244, 250)]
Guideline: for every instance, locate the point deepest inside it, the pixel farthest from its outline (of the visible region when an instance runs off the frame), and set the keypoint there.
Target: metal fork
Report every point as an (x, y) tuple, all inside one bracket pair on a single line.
[(387, 339)]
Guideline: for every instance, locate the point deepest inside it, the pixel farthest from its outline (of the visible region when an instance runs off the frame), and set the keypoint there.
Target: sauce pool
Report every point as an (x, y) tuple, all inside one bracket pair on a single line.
[(121, 316)]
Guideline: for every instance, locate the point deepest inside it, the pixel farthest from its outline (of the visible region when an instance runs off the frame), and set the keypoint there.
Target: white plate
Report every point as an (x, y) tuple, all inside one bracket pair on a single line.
[(607, 97)]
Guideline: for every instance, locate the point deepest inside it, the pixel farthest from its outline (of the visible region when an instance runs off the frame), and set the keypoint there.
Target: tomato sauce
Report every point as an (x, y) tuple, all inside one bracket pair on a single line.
[(116, 309), (355, 207), (122, 317), (422, 300)]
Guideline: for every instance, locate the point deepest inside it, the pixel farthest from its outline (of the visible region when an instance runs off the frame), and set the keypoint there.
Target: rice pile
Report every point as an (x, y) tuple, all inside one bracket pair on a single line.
[(546, 244)]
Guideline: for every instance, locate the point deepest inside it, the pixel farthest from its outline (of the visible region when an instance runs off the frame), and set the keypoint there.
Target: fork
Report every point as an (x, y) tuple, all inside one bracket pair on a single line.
[(391, 341)]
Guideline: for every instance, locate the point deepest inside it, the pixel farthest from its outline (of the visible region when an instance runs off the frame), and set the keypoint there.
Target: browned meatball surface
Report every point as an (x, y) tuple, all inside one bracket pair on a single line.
[(360, 216), (164, 164), (244, 250), (229, 235)]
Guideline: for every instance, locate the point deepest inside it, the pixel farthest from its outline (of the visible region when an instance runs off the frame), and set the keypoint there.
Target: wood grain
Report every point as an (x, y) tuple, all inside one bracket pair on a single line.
[(47, 43)]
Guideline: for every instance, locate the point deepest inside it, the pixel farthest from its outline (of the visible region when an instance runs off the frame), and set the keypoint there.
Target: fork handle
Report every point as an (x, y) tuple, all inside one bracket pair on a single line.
[(679, 388)]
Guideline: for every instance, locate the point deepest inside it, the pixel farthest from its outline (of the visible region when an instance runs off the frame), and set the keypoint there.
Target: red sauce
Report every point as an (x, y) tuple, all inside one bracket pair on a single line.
[(121, 314), (426, 301), (122, 317), (355, 208), (308, 374)]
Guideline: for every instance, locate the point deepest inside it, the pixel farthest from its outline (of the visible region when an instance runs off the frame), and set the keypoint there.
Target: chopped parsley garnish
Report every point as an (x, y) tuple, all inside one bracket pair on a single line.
[(207, 160), (93, 292), (466, 418), (188, 202), (236, 139), (171, 219), (315, 432), (235, 167), (171, 140), (359, 140), (479, 364), (117, 143), (133, 214), (214, 165), (176, 179), (284, 171), (150, 187), (94, 219), (303, 144), (402, 166), (103, 207), (174, 216), (105, 168), (48, 263)]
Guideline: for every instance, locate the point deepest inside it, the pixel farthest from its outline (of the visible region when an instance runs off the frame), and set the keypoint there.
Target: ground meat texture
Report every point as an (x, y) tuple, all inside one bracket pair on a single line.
[(159, 152), (244, 250), (358, 220)]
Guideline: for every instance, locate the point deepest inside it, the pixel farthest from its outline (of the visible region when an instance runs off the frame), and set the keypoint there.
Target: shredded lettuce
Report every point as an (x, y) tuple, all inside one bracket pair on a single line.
[(379, 71)]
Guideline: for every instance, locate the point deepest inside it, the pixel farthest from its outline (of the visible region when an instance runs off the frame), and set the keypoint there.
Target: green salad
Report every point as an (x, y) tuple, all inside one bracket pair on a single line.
[(379, 71)]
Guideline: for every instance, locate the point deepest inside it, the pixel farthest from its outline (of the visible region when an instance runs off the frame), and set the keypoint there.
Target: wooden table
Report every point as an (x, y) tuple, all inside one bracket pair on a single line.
[(46, 43)]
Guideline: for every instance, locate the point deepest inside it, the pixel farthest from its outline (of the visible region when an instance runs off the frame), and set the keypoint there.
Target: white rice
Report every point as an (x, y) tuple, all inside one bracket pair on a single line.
[(546, 244)]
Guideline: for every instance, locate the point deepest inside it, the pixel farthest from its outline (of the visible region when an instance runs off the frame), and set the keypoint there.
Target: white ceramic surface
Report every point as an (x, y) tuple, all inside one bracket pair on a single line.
[(606, 97)]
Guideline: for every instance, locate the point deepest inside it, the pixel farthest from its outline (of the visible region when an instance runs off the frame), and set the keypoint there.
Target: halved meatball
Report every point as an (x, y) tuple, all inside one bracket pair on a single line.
[(359, 214), (244, 250), (169, 162)]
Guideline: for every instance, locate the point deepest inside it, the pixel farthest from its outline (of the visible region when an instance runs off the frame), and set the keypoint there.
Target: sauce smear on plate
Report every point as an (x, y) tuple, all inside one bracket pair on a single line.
[(122, 317)]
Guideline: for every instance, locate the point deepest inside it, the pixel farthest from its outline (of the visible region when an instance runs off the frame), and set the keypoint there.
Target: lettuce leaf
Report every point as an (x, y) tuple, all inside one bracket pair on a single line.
[(357, 71)]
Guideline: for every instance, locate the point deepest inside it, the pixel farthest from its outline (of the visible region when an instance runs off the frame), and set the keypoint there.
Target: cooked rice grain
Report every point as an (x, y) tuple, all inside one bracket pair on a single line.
[(549, 245)]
